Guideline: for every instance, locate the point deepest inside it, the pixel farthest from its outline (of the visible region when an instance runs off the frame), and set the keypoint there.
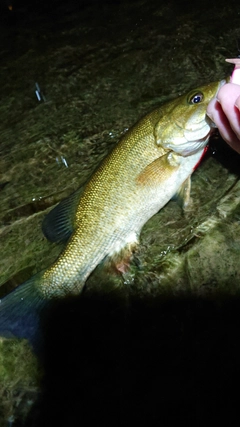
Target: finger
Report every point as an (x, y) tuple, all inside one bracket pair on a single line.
[(212, 107), (217, 115), (237, 102), (227, 97)]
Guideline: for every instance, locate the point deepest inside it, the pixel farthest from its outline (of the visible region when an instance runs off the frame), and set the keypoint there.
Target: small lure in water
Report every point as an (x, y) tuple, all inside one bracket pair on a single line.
[(40, 96)]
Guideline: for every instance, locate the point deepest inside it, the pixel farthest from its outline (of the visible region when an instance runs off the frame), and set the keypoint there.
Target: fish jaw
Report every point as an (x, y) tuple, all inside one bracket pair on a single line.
[(187, 147)]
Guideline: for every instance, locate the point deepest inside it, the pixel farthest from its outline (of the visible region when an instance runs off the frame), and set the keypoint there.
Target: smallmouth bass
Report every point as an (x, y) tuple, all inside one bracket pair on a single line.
[(149, 165)]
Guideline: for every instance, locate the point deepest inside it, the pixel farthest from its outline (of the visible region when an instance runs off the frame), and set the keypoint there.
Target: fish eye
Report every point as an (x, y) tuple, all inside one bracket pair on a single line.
[(196, 98)]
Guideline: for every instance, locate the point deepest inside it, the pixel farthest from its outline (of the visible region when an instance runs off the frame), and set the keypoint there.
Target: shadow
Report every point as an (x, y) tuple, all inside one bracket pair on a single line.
[(225, 155), (153, 362)]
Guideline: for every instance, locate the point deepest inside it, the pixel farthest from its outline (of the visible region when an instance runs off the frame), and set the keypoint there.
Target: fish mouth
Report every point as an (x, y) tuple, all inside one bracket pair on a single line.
[(189, 147), (192, 147)]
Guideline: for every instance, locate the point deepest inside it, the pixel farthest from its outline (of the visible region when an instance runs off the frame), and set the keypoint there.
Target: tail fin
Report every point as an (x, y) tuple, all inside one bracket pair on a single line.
[(21, 309)]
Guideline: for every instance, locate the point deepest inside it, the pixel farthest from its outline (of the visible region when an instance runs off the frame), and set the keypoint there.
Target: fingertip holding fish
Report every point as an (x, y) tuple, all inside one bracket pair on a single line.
[(235, 61), (235, 77), (237, 103)]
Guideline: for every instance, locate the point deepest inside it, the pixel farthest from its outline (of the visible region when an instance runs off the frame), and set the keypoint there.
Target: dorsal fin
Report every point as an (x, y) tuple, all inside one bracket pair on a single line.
[(58, 225)]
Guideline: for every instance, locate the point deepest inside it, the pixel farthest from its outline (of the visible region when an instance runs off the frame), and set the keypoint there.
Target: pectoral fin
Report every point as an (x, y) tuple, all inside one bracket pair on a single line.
[(160, 169), (183, 193)]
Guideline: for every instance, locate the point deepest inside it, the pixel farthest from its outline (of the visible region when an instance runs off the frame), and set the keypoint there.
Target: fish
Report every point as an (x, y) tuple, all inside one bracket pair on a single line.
[(151, 162)]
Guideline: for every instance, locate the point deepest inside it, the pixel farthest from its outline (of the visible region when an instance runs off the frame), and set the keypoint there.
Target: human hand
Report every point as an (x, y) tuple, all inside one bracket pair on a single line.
[(224, 110)]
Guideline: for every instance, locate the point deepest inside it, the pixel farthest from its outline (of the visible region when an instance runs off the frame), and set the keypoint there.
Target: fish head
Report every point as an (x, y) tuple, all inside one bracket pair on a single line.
[(184, 126)]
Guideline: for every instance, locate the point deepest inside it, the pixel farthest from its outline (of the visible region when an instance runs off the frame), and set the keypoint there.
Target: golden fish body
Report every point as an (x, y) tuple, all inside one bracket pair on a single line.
[(143, 172), (151, 162)]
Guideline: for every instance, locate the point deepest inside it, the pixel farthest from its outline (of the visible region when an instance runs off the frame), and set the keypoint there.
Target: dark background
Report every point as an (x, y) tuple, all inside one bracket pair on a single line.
[(165, 362)]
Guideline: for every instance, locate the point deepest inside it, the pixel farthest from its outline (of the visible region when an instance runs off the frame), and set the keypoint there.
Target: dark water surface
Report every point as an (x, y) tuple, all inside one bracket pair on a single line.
[(163, 348)]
